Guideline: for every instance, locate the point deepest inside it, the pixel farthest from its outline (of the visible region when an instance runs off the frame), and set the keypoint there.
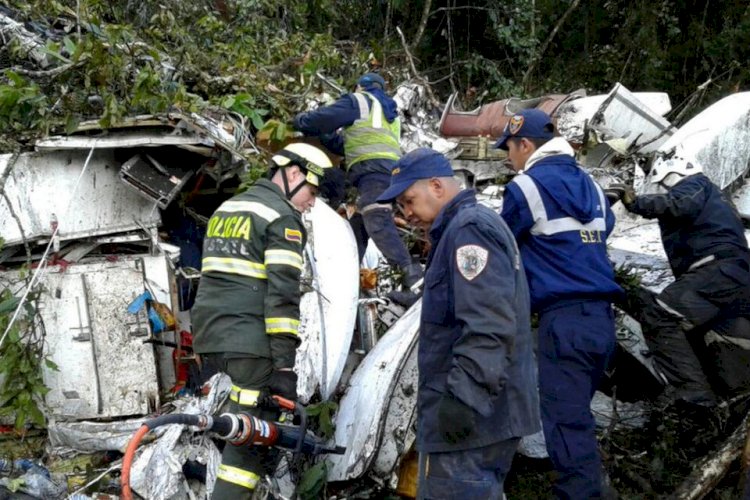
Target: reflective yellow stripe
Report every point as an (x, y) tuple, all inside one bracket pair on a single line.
[(237, 476), (253, 207), (284, 257), (230, 265), (244, 397), (282, 325)]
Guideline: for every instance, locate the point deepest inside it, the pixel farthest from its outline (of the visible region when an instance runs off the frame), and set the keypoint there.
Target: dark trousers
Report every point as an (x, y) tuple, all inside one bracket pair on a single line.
[(242, 467), (697, 301), (477, 473), (378, 218), (576, 343)]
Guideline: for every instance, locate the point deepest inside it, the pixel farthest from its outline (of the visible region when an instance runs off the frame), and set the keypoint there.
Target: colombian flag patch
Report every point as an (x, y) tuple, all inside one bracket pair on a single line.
[(293, 235)]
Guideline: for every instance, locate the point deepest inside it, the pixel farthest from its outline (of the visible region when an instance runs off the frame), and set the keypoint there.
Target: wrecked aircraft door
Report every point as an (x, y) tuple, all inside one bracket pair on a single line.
[(105, 369)]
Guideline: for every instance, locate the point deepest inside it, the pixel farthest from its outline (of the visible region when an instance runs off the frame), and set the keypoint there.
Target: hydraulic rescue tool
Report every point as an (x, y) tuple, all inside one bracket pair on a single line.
[(238, 429)]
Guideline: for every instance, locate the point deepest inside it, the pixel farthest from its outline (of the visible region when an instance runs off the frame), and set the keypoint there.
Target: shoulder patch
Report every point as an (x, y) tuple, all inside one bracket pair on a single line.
[(471, 260), (293, 235)]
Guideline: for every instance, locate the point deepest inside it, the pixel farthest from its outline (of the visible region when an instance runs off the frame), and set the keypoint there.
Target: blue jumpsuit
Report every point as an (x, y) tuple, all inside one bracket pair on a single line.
[(475, 345), (561, 220), (370, 177)]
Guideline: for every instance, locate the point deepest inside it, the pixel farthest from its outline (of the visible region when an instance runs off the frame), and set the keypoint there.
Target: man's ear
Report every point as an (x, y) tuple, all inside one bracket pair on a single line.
[(436, 186)]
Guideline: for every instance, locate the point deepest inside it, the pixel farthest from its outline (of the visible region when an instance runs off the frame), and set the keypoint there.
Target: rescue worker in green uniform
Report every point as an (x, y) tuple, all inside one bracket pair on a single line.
[(246, 313)]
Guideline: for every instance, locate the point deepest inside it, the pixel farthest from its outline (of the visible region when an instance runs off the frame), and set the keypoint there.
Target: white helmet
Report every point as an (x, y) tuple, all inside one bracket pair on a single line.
[(679, 164), (307, 157)]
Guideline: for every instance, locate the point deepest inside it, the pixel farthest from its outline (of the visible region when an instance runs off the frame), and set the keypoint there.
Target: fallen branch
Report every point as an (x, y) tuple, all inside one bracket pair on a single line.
[(417, 76), (709, 471)]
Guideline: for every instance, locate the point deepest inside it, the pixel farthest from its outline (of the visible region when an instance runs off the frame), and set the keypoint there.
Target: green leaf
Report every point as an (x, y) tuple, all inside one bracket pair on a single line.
[(70, 45), (9, 305), (256, 119), (280, 132), (51, 365), (313, 481)]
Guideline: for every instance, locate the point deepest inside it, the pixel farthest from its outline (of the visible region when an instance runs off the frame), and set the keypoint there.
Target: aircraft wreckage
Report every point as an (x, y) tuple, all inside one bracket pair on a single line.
[(115, 219)]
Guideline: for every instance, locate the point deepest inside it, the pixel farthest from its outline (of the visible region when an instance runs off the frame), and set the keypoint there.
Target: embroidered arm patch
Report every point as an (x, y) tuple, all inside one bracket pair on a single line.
[(471, 260)]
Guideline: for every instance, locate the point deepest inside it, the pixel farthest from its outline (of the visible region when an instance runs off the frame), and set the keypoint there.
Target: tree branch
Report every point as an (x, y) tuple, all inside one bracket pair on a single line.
[(417, 76), (547, 42), (422, 24)]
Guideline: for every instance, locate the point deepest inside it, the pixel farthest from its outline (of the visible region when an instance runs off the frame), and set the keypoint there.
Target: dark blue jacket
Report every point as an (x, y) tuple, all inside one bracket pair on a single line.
[(561, 220), (325, 122), (475, 340), (696, 220)]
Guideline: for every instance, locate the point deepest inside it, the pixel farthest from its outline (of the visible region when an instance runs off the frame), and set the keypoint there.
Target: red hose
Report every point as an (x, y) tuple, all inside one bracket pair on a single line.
[(127, 461)]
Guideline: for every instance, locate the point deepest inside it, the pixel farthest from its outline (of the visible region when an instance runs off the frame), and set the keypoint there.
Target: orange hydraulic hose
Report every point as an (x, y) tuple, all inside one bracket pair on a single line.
[(127, 461)]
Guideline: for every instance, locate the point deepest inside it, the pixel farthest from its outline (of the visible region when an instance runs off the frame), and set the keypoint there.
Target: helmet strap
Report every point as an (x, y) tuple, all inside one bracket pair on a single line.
[(290, 194)]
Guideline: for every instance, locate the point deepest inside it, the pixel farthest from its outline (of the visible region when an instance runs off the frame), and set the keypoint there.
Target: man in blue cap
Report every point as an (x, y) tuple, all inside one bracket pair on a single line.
[(561, 219), (364, 127), (477, 377)]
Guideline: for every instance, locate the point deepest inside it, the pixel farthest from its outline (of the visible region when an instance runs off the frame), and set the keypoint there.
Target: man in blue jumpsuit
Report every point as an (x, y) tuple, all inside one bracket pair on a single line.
[(364, 127), (561, 220), (477, 377), (705, 243)]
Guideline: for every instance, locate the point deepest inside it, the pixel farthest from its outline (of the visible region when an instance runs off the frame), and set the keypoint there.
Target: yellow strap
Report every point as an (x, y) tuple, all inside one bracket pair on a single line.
[(282, 325), (284, 258), (237, 476), (231, 265), (244, 397)]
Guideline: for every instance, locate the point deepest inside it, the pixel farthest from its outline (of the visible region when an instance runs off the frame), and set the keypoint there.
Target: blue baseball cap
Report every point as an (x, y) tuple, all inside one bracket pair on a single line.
[(369, 80), (529, 123), (422, 163)]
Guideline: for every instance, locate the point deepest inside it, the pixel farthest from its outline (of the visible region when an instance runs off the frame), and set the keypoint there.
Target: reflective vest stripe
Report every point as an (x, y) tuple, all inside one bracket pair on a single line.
[(259, 209), (364, 109), (543, 225), (370, 136), (244, 397), (282, 325), (231, 265), (283, 258), (237, 476)]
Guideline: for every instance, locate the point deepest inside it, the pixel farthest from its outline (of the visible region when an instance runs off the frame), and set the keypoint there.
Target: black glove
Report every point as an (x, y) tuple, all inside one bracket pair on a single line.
[(623, 192), (283, 383), (455, 420)]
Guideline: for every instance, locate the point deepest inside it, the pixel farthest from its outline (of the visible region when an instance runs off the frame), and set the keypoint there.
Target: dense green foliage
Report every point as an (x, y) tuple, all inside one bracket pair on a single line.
[(259, 58)]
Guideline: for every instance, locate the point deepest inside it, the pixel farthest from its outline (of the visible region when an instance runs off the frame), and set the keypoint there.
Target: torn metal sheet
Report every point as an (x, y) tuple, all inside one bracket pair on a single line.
[(28, 42), (362, 415), (120, 139), (157, 470), (418, 126), (717, 138), (624, 116), (328, 312), (399, 430), (89, 437), (41, 188), (741, 200), (573, 116)]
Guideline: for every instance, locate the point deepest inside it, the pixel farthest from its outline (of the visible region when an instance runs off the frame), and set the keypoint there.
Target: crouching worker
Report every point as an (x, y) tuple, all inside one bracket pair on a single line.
[(705, 243), (477, 377), (246, 312)]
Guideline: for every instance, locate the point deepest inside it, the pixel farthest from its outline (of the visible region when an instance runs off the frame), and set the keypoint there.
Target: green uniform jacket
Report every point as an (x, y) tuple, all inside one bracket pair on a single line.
[(248, 297)]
